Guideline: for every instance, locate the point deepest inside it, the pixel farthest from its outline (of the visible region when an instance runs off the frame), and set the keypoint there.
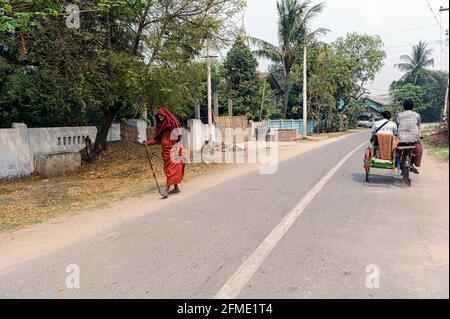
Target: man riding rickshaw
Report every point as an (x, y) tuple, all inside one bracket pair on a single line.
[(396, 145)]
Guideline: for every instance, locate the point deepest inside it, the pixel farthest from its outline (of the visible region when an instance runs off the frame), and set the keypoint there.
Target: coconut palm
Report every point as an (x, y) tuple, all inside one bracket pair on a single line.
[(293, 31), (415, 66)]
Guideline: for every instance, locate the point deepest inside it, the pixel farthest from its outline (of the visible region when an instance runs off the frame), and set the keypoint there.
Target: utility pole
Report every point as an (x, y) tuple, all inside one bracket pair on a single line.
[(209, 87), (446, 107), (447, 99), (210, 98), (443, 41), (305, 92), (263, 99)]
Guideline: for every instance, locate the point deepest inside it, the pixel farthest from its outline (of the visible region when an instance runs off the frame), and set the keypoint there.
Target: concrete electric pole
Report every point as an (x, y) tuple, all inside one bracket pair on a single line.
[(209, 58), (446, 107), (305, 92)]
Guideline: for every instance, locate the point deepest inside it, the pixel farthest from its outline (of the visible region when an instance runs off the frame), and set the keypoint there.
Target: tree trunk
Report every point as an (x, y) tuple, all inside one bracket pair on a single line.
[(285, 101), (216, 104), (230, 106), (137, 40), (102, 134), (197, 111)]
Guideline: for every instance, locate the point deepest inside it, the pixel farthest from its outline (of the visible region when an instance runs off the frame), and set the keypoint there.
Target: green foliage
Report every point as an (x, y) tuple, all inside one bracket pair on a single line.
[(358, 59), (428, 95), (415, 66), (128, 56), (352, 112), (74, 79), (409, 91), (321, 72), (180, 89), (336, 73), (25, 15), (243, 83), (271, 103), (294, 31)]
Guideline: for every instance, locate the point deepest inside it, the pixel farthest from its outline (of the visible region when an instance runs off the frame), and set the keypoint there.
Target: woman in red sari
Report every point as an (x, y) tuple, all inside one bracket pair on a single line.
[(169, 136)]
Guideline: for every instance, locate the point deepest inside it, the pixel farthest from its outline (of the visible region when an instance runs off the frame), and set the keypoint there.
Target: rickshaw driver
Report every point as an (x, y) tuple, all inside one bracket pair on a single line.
[(409, 123)]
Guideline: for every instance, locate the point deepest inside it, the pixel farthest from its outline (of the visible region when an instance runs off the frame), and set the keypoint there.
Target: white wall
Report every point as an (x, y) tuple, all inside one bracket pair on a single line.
[(14, 153), (57, 140), (141, 127), (20, 145), (114, 133)]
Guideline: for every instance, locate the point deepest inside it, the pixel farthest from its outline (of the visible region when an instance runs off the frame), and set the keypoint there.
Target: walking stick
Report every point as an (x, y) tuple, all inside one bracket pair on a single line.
[(152, 168)]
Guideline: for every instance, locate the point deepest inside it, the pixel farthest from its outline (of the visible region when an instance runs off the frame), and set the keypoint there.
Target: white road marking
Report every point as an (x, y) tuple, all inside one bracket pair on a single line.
[(242, 276)]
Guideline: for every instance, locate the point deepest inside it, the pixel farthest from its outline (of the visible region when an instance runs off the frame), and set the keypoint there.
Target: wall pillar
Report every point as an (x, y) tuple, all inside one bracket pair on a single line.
[(25, 164), (141, 126)]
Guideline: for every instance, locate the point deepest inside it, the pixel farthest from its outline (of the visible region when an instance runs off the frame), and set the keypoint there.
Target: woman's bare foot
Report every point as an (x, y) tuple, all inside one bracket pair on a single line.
[(176, 190), (165, 193)]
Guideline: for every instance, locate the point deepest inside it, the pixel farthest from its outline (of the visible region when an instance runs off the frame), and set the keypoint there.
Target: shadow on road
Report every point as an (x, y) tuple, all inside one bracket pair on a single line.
[(379, 181)]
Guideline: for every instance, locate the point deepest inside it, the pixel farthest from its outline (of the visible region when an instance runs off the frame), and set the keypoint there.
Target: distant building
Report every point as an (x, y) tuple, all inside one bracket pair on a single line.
[(375, 105)]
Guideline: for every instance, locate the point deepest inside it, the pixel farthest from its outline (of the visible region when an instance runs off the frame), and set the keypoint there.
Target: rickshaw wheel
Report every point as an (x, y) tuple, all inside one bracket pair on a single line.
[(406, 178), (367, 175), (406, 172)]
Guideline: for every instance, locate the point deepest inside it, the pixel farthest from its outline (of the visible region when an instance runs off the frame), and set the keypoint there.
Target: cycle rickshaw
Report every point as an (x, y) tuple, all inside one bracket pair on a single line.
[(401, 160)]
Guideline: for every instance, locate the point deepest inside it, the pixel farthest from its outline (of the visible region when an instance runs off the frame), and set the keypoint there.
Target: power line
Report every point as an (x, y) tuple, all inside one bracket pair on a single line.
[(434, 15), (409, 29), (410, 45)]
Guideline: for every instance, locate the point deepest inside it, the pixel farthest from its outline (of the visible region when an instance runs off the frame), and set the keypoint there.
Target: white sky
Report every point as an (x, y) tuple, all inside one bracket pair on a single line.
[(366, 16)]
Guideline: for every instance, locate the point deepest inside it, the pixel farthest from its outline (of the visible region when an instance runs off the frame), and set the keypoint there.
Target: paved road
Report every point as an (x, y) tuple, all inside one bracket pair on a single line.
[(192, 249)]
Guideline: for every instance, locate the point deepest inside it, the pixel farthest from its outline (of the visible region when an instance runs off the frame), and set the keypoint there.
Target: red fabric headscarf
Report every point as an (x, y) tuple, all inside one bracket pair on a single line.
[(171, 123)]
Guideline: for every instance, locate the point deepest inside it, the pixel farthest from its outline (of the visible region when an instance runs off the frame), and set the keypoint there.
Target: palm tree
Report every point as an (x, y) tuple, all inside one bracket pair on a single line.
[(293, 31), (416, 64)]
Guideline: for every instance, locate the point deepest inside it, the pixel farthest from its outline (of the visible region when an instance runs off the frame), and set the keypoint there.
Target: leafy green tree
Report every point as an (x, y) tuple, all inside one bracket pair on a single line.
[(178, 89), (403, 93), (271, 104), (242, 80), (434, 96), (428, 97), (411, 92), (353, 111), (358, 59), (321, 72), (337, 75), (415, 65), (294, 24), (104, 71)]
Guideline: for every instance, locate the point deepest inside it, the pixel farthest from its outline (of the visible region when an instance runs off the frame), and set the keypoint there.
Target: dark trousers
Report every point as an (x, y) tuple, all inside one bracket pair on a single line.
[(416, 159)]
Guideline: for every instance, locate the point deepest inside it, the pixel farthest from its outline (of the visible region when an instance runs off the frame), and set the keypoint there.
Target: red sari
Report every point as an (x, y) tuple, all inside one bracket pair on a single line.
[(169, 136)]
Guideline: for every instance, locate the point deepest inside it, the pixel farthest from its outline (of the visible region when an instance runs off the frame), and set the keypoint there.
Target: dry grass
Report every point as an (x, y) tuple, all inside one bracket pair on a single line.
[(437, 142), (121, 172)]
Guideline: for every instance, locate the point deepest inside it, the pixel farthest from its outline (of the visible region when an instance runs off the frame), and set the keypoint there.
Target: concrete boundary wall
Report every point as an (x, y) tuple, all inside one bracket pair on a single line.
[(20, 145), (15, 158)]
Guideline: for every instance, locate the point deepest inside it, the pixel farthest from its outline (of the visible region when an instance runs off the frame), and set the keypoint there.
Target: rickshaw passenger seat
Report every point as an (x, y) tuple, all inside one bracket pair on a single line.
[(387, 143)]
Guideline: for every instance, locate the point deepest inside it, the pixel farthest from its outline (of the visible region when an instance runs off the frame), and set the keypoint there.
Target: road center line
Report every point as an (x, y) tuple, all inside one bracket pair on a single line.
[(242, 276)]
